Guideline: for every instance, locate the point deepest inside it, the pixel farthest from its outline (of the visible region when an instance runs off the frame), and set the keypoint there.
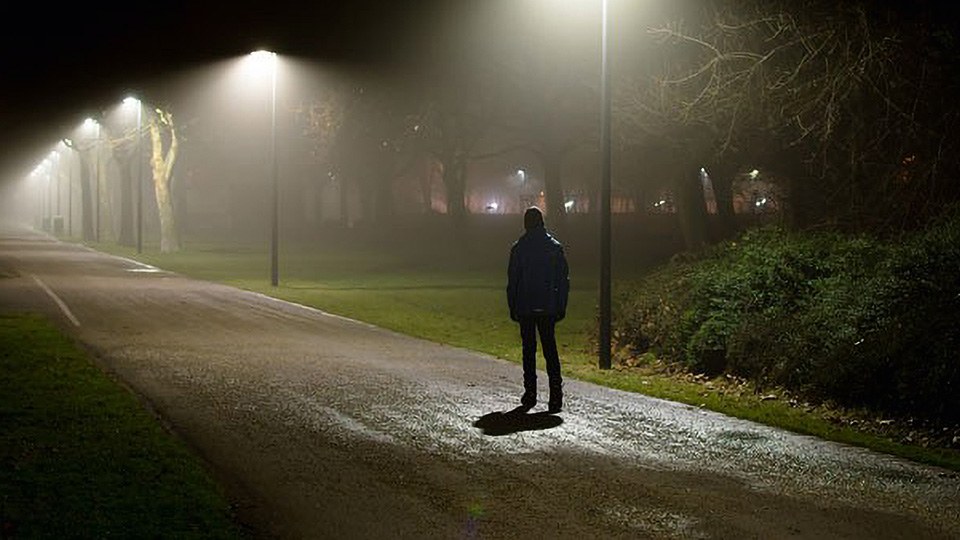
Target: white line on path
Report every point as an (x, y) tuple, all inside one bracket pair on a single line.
[(63, 306)]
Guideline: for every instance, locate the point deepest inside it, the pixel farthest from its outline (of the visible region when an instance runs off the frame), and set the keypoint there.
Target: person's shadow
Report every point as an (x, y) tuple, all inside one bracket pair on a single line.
[(500, 423)]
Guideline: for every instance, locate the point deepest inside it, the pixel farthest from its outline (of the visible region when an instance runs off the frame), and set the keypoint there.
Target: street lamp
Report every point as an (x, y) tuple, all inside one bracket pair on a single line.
[(605, 284), (131, 101), (523, 186), (37, 175), (48, 170), (264, 60), (55, 180)]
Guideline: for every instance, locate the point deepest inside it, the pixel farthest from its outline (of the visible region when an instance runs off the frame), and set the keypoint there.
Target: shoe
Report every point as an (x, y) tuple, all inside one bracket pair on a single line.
[(555, 406), (529, 399)]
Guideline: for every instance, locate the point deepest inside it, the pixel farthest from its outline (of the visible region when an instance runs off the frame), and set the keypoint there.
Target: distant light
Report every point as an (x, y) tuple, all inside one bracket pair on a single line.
[(568, 205), (131, 101), (89, 123), (754, 174), (703, 170)]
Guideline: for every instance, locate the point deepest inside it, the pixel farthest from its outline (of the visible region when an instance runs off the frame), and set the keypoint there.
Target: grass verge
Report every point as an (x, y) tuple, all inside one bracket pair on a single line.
[(81, 456), (464, 305)]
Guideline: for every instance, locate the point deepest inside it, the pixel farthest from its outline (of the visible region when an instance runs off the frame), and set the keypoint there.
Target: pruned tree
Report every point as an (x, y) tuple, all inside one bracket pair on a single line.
[(86, 150), (122, 145), (164, 145)]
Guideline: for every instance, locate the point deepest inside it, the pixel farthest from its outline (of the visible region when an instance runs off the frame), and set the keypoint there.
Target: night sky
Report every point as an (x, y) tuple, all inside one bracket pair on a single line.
[(62, 62)]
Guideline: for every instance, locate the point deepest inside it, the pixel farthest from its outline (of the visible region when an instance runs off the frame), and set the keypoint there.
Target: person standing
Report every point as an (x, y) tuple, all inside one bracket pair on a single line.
[(538, 285)]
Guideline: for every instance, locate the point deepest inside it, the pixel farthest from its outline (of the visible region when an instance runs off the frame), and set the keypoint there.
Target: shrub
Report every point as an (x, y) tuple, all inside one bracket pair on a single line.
[(852, 319)]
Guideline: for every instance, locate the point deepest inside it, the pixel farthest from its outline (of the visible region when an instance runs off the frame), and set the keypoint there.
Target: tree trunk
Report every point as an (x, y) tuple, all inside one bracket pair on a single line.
[(721, 175), (691, 210), (162, 166), (553, 188), (127, 233), (344, 201), (384, 203), (426, 184), (799, 201), (86, 198), (454, 179)]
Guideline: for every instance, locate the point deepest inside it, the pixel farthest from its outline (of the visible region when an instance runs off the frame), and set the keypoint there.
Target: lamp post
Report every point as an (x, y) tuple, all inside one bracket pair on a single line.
[(48, 165), (269, 59), (605, 263), (274, 244), (37, 197), (43, 193), (132, 101), (55, 179), (69, 194), (69, 199), (523, 186)]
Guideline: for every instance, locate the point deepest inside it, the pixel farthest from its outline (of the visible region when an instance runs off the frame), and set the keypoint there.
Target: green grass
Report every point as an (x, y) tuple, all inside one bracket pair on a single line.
[(462, 303), (81, 456)]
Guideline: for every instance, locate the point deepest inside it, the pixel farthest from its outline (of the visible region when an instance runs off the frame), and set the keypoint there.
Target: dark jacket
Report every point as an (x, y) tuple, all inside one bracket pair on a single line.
[(538, 277)]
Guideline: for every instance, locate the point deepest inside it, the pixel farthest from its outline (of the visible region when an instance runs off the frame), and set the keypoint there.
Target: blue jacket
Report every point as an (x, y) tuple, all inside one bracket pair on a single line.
[(538, 277)]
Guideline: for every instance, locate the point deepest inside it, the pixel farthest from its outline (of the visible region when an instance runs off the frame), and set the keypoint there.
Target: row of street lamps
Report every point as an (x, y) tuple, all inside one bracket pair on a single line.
[(90, 124), (268, 61), (264, 61)]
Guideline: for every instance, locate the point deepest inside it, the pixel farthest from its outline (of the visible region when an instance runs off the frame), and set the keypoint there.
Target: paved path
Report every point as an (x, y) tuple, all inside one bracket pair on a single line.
[(322, 427)]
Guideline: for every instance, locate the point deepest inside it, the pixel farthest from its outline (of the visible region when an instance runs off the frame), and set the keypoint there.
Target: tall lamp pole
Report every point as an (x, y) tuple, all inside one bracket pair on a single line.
[(49, 165), (55, 175), (266, 59), (275, 234), (69, 195), (605, 318), (134, 102), (139, 175), (96, 234)]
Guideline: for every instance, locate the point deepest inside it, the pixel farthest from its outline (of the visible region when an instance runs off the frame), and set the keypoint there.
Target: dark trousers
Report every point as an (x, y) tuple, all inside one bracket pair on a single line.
[(529, 328)]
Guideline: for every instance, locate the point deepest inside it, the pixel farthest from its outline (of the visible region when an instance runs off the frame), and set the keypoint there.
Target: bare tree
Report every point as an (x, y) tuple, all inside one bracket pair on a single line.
[(838, 97)]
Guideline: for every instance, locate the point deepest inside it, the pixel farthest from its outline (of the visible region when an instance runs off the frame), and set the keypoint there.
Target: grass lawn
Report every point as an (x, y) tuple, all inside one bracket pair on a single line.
[(461, 301), (83, 458)]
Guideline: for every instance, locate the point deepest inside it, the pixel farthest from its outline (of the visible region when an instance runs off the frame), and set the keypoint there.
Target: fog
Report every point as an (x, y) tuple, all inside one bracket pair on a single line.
[(451, 116), (358, 145)]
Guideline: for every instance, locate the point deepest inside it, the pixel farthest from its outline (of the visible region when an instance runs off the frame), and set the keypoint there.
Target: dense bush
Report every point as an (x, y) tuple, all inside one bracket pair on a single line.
[(857, 320)]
